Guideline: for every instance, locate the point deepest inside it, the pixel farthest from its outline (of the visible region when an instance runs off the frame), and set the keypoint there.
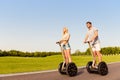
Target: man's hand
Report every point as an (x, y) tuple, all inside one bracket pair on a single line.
[(88, 41)]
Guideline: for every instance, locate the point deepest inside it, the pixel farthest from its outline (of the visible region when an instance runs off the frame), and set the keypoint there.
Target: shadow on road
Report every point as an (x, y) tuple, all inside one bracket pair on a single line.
[(81, 71)]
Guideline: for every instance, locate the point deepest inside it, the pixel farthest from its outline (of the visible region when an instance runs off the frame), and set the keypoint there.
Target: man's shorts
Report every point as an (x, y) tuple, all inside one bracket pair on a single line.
[(96, 47), (66, 46)]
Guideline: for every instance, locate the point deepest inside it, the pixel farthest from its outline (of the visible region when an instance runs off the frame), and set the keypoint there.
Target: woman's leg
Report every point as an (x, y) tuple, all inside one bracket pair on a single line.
[(63, 54), (69, 55), (66, 57)]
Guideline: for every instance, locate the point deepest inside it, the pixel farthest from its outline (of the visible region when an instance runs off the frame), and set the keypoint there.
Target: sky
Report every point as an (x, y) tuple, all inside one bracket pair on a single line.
[(35, 25)]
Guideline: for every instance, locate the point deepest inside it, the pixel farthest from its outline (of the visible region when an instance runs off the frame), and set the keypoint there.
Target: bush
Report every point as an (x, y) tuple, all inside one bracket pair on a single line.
[(1, 53), (78, 53), (27, 54), (104, 51), (110, 50)]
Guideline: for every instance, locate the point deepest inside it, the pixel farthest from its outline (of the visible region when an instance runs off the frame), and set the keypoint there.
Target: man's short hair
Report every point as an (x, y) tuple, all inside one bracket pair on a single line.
[(88, 22)]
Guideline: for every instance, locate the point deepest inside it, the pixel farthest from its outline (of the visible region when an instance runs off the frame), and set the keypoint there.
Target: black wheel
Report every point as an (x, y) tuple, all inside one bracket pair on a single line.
[(88, 66), (61, 71), (71, 69), (102, 68)]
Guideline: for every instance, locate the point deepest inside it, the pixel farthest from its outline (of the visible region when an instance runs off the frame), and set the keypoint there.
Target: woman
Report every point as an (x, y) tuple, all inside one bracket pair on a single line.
[(66, 46)]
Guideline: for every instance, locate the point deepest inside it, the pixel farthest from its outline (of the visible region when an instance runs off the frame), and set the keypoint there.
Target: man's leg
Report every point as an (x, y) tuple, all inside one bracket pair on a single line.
[(98, 52), (99, 56), (95, 58)]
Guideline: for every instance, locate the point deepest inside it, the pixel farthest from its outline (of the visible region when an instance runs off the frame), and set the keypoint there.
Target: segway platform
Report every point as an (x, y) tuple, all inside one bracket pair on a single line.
[(69, 69), (102, 68)]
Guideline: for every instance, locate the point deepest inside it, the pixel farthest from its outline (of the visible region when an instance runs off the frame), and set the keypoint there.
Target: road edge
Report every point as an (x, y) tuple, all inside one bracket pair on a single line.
[(38, 72)]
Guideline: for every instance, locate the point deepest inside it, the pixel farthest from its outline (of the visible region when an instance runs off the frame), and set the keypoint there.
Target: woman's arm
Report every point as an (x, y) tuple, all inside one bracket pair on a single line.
[(64, 41), (67, 38)]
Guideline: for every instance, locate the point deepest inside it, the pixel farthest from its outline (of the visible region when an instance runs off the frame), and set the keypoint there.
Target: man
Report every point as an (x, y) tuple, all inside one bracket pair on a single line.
[(92, 37)]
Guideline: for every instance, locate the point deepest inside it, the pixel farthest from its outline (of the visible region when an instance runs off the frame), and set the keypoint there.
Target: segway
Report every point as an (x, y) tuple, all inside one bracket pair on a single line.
[(102, 68), (69, 69)]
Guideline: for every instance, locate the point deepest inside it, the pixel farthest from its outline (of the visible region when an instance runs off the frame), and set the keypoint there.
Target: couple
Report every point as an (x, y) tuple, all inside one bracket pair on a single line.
[(91, 36)]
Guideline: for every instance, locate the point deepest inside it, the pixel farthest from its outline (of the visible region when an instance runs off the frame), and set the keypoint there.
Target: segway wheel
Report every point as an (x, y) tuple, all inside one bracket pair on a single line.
[(88, 67), (60, 68), (71, 69), (102, 68)]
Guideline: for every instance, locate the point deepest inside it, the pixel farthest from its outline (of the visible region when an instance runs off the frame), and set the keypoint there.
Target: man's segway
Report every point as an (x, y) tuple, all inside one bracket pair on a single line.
[(102, 68), (69, 69)]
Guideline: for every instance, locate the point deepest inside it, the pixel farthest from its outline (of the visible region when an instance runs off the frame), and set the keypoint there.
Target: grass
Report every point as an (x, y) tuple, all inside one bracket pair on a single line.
[(27, 64)]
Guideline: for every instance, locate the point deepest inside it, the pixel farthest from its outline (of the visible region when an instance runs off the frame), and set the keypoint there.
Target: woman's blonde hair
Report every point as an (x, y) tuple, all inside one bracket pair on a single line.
[(65, 30)]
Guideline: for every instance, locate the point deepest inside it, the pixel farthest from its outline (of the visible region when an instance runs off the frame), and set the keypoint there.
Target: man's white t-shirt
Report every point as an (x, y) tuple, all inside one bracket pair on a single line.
[(91, 33)]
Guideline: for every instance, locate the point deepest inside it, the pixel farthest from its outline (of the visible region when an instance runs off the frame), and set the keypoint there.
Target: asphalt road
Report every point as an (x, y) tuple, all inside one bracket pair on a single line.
[(114, 74)]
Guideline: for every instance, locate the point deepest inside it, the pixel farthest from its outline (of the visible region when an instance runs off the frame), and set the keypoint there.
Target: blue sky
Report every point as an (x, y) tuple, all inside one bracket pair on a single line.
[(35, 25)]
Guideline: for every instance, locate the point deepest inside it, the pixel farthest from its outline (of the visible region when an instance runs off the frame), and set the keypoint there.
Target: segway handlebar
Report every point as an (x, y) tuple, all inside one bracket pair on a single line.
[(58, 43), (87, 42)]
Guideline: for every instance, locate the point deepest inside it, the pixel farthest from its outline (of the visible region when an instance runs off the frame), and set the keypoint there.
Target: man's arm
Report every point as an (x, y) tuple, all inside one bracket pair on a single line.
[(95, 35)]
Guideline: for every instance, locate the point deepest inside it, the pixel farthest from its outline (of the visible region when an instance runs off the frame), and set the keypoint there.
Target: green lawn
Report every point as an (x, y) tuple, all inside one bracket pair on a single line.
[(23, 64)]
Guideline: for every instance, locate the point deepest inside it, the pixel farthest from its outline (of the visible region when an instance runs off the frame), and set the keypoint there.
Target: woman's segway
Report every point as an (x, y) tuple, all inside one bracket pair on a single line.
[(69, 69), (101, 68)]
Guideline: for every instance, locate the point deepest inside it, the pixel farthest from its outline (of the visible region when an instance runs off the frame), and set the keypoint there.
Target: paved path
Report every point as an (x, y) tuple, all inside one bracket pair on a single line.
[(114, 74)]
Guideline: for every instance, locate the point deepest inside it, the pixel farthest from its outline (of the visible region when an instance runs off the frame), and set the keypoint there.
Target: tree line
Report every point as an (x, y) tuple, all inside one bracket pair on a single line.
[(104, 51), (27, 54)]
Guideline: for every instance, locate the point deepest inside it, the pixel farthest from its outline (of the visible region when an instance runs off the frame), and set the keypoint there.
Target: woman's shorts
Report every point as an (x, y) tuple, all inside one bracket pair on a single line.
[(96, 47), (66, 46)]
